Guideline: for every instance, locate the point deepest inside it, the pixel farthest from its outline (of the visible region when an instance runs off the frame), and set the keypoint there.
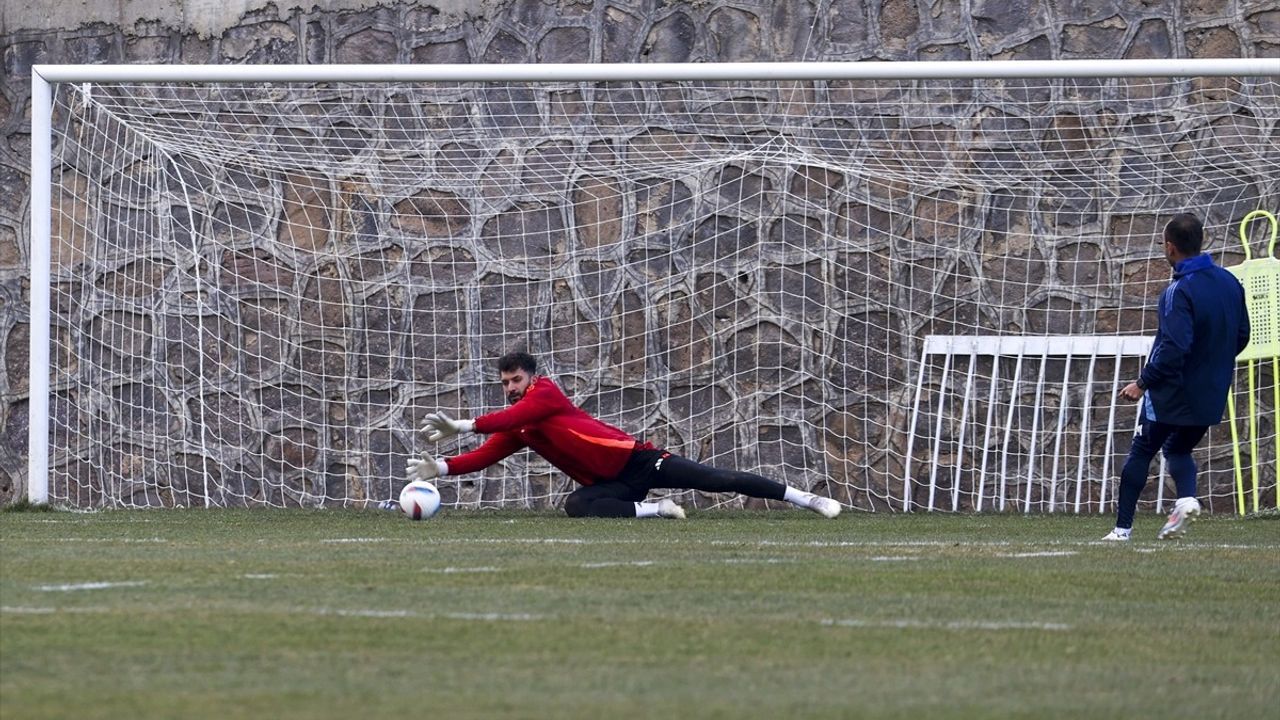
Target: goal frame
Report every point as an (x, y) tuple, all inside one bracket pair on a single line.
[(43, 77)]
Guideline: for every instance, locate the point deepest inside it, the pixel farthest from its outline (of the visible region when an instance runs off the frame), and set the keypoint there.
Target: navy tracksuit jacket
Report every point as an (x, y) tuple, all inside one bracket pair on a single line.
[(1203, 326)]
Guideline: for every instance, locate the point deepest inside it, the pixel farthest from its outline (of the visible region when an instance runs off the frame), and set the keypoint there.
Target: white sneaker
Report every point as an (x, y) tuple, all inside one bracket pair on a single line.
[(1184, 513), (1114, 536), (824, 506), (669, 509)]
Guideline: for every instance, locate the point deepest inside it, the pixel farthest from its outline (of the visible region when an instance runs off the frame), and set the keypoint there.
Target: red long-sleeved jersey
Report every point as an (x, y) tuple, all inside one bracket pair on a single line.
[(585, 449)]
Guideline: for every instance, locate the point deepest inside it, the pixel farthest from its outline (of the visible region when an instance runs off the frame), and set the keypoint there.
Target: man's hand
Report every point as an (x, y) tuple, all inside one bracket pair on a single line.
[(440, 426), (1131, 392), (421, 468)]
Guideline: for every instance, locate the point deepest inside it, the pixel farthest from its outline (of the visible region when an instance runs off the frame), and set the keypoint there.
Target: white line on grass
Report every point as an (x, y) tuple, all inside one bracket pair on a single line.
[(518, 617), (18, 610), (378, 614), (88, 586), (370, 613), (357, 613), (970, 545), (1056, 553), (866, 543), (260, 576), (1166, 545), (946, 625), (107, 540), (894, 558), (1183, 544), (632, 563)]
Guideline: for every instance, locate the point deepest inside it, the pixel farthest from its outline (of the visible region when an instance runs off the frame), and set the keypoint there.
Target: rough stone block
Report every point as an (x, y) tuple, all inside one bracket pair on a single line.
[(506, 48), (223, 418), (1095, 39), (672, 39), (366, 46), (620, 35), (11, 255), (21, 55), (1213, 42), (565, 45), (850, 22), (899, 22), (598, 210), (269, 42), (431, 213), (451, 52), (734, 35)]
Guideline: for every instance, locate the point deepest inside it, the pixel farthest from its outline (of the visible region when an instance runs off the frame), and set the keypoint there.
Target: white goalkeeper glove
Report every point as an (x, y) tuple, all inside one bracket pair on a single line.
[(424, 468), (440, 426)]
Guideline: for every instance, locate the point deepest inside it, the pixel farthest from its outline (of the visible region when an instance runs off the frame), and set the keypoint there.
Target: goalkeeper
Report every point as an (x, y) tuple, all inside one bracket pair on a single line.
[(615, 471)]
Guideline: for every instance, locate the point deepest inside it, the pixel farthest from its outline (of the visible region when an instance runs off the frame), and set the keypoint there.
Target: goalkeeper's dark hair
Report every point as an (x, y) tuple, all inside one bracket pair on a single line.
[(517, 360), (1186, 233)]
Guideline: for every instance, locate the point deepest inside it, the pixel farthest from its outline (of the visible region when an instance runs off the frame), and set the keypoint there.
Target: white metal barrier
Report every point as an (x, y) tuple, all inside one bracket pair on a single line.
[(997, 421)]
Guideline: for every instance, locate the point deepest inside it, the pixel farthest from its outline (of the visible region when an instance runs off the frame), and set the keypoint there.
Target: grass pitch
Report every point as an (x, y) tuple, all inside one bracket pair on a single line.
[(340, 614)]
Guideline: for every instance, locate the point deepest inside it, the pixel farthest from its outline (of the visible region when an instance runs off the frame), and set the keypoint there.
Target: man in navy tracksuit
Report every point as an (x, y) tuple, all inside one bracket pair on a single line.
[(1203, 327)]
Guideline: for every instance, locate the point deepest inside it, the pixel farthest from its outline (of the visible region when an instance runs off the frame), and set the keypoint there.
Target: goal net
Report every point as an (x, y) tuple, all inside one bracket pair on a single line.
[(258, 286)]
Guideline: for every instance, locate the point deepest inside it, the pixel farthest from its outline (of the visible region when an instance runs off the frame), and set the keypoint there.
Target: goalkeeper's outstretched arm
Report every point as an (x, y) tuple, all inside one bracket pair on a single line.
[(439, 426), (539, 402), (497, 447), (425, 467)]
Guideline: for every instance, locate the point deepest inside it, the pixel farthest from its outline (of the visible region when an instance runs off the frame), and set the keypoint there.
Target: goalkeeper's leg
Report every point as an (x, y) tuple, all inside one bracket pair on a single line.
[(617, 499), (665, 470)]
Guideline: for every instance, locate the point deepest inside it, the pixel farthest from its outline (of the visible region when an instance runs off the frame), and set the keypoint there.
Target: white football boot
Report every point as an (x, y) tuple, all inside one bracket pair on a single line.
[(1185, 511), (824, 506), (669, 509)]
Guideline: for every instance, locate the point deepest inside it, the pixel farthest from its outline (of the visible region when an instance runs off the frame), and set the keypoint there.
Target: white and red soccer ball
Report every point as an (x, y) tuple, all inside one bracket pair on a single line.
[(419, 500)]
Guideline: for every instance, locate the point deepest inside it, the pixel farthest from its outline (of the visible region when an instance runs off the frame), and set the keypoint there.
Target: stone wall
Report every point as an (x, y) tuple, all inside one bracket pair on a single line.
[(569, 31)]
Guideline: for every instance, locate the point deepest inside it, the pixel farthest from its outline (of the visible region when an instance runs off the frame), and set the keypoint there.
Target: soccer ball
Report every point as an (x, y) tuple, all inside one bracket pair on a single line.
[(419, 500)]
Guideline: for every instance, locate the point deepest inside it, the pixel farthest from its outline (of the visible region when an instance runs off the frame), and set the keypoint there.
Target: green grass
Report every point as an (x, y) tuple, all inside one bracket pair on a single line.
[(342, 614)]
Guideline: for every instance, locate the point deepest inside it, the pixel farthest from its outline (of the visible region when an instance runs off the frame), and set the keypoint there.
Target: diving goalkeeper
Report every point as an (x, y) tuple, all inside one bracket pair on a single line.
[(615, 471)]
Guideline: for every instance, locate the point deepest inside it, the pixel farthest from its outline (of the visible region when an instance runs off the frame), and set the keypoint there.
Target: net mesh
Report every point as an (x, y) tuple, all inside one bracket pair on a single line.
[(259, 290)]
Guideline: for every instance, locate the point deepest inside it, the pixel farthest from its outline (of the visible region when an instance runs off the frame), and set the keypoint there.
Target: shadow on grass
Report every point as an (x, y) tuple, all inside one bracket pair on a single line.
[(25, 505)]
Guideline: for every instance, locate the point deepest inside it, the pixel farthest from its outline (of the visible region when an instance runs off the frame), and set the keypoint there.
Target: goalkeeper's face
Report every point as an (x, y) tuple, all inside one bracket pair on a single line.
[(515, 383)]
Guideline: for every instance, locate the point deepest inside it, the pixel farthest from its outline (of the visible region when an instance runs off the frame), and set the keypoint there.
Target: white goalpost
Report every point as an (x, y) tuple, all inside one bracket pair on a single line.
[(903, 285)]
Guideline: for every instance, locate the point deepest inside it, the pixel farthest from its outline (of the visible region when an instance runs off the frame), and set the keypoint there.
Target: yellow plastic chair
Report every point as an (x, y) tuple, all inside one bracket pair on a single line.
[(1261, 280)]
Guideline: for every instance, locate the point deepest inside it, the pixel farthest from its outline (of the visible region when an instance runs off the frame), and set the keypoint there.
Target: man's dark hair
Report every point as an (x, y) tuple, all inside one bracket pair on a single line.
[(517, 360), (1186, 233)]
